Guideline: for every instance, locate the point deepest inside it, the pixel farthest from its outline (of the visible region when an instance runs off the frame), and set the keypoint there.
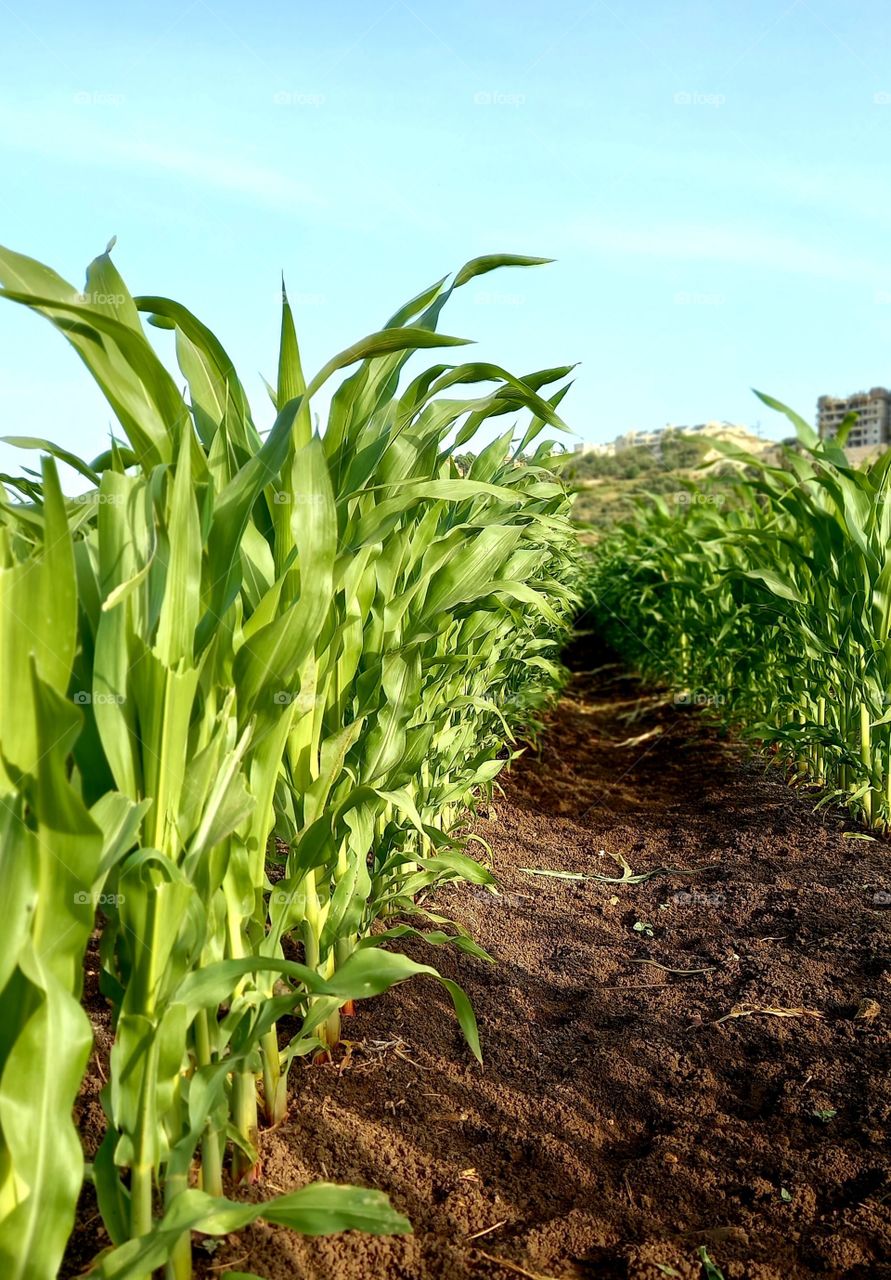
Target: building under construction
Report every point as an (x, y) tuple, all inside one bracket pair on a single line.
[(873, 409)]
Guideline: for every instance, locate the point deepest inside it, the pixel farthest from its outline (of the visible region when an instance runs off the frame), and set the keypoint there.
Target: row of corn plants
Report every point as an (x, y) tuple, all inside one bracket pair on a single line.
[(769, 599), (252, 684)]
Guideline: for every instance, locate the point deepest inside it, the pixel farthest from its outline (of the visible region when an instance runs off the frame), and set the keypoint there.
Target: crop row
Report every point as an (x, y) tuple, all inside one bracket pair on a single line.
[(769, 600), (251, 685)]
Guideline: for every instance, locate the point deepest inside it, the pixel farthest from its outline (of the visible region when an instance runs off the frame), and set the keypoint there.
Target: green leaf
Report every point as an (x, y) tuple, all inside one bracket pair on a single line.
[(315, 1210), (805, 432), (710, 1271), (493, 262)]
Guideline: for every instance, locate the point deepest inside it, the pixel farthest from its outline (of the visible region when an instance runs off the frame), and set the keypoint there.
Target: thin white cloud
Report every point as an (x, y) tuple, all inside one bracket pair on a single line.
[(73, 137), (739, 246), (261, 184)]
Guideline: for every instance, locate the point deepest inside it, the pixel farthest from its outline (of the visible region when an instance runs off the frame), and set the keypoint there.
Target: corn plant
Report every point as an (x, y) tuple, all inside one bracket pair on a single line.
[(169, 892), (354, 499), (55, 857)]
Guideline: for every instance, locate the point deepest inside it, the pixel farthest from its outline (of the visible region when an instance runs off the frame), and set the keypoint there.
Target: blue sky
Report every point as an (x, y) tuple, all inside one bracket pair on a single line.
[(711, 176)]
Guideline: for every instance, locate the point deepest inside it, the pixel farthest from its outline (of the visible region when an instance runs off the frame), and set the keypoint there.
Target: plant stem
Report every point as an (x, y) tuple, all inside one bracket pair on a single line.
[(275, 1085), (244, 1111), (866, 757), (212, 1141)]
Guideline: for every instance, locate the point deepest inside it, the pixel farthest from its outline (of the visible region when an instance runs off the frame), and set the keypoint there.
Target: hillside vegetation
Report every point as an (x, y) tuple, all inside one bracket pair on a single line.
[(608, 488)]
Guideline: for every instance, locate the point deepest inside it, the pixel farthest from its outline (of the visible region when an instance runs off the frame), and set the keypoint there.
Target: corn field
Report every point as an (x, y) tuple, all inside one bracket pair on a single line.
[(769, 601), (252, 687)]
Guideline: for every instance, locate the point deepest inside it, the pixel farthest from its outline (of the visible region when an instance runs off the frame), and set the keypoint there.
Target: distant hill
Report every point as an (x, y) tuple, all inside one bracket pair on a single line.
[(716, 429), (609, 484)]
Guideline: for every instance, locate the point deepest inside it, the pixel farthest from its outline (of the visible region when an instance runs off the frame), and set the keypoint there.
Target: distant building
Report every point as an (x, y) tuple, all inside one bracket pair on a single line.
[(873, 409), (727, 432)]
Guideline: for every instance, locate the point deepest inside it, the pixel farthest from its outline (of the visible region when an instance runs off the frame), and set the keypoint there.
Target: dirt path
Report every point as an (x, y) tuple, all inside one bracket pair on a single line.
[(614, 1126)]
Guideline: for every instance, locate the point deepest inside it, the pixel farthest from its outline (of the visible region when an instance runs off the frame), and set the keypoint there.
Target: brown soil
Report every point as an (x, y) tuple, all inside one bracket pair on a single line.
[(618, 1126)]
